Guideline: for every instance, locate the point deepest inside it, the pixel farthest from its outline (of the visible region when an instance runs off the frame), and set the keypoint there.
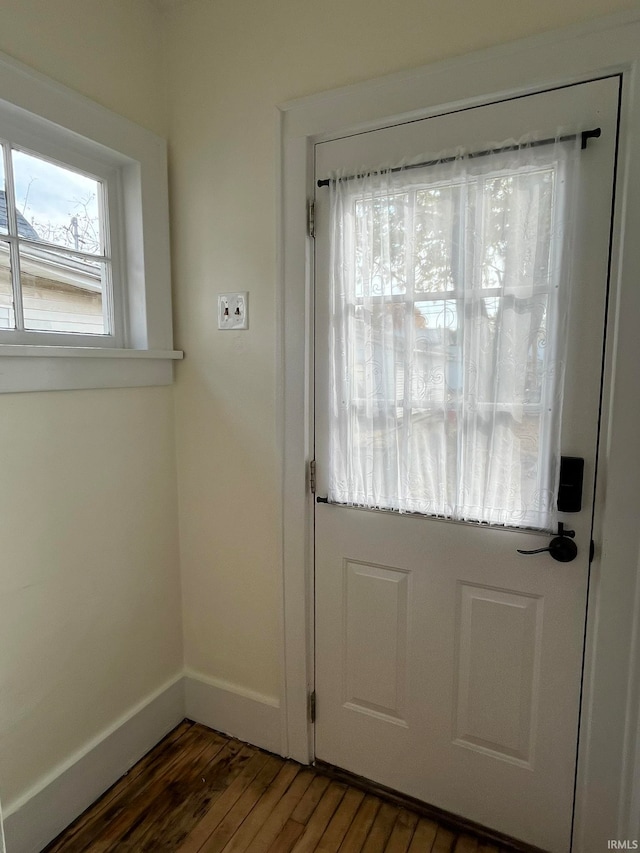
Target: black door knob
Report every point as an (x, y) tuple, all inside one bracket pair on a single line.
[(562, 547)]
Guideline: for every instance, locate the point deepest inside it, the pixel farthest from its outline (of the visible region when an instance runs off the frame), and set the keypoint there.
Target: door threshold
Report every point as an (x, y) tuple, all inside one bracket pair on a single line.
[(446, 819)]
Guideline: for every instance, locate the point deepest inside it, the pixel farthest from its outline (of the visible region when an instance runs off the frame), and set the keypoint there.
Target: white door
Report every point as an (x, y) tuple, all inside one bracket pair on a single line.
[(448, 666)]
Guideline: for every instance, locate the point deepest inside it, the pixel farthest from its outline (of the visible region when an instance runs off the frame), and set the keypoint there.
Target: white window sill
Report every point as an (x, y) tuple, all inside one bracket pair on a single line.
[(27, 368), (39, 351)]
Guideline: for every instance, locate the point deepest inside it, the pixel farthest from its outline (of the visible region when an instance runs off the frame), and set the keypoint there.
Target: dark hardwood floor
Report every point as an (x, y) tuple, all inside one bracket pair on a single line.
[(198, 791)]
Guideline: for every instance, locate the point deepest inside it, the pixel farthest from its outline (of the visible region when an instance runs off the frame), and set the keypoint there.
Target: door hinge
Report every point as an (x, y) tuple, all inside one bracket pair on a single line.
[(311, 702), (311, 219), (312, 476)]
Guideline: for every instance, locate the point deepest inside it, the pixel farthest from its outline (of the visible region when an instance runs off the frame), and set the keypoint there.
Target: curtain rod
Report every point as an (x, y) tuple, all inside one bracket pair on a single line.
[(585, 136)]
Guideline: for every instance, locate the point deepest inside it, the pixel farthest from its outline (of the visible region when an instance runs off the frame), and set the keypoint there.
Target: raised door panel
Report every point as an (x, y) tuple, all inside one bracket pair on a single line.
[(375, 639), (499, 645)]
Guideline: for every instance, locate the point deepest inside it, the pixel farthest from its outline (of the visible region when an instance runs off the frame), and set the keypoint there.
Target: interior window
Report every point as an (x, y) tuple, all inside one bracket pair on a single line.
[(85, 272), (55, 267)]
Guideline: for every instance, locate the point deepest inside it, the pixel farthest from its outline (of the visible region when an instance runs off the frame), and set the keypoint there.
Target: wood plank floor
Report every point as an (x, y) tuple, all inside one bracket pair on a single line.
[(201, 792)]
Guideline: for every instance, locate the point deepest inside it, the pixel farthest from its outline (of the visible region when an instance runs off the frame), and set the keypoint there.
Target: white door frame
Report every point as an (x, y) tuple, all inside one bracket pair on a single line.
[(608, 773)]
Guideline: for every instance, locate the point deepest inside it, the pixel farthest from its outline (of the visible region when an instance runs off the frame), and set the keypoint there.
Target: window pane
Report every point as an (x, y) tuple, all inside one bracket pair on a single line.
[(380, 223), (7, 318), (514, 223), (57, 205), (436, 238), (61, 294), (437, 358)]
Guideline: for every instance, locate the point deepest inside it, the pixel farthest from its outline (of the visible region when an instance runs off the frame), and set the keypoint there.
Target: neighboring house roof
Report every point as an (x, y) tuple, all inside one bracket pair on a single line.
[(24, 228)]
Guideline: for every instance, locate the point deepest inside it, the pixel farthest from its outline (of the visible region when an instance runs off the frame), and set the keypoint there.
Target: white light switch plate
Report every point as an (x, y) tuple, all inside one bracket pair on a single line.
[(233, 310)]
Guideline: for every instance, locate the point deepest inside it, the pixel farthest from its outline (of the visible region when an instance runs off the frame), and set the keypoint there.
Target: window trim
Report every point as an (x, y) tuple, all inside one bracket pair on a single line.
[(53, 121)]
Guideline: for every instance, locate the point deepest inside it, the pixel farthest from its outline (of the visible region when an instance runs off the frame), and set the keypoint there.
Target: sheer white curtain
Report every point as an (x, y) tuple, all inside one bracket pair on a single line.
[(449, 299)]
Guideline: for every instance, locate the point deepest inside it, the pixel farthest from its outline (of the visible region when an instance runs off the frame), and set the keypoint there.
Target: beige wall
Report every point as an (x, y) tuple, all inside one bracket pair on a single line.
[(89, 586), (230, 62), (108, 51)]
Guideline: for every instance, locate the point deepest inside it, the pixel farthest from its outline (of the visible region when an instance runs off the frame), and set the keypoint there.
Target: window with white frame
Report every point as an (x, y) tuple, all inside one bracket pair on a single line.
[(56, 263), (85, 293)]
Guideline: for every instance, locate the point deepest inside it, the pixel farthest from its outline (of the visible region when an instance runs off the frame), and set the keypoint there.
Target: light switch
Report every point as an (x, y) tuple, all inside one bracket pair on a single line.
[(233, 310)]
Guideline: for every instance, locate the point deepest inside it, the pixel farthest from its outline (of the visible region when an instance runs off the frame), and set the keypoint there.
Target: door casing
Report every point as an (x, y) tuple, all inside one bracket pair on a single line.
[(608, 776)]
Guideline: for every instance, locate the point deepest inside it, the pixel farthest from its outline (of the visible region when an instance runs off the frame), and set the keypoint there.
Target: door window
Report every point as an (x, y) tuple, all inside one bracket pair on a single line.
[(449, 296)]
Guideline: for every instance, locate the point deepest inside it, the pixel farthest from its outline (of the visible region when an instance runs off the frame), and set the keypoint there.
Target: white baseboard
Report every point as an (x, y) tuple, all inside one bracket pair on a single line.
[(233, 710), (34, 820), (41, 814)]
